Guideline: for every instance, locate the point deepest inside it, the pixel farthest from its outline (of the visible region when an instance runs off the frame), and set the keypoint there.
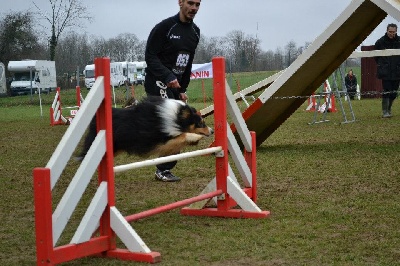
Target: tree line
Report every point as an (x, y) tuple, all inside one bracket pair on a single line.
[(21, 38)]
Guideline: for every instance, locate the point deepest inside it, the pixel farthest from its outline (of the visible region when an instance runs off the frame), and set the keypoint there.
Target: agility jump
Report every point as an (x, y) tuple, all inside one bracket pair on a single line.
[(56, 116), (92, 239)]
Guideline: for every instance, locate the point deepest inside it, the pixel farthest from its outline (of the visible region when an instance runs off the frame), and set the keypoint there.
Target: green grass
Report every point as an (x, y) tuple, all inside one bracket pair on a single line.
[(332, 189)]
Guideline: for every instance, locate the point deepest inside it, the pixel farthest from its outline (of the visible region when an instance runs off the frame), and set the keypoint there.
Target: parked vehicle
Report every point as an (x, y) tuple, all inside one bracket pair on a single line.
[(3, 81), (141, 71), (89, 76), (30, 76), (116, 75), (129, 72)]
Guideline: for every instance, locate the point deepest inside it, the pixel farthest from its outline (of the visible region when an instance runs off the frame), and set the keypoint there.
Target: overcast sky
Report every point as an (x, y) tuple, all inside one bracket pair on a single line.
[(274, 22)]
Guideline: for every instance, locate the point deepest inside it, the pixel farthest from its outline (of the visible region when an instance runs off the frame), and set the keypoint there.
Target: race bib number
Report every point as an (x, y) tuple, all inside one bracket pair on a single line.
[(181, 62)]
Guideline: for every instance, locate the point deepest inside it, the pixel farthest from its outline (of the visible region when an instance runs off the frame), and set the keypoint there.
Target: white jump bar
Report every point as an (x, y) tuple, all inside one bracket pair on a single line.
[(125, 167)]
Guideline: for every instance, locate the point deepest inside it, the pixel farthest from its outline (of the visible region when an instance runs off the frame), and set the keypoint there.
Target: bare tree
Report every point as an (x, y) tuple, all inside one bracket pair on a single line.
[(124, 47), (291, 52), (210, 47), (73, 51), (278, 59), (253, 50), (235, 54), (243, 50), (64, 14), (265, 61)]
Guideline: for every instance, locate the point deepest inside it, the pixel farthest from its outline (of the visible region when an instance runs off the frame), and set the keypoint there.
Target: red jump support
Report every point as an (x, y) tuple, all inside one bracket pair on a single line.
[(55, 110), (105, 169), (106, 172), (78, 96), (46, 254), (329, 98), (221, 131), (225, 201), (103, 244), (311, 103)]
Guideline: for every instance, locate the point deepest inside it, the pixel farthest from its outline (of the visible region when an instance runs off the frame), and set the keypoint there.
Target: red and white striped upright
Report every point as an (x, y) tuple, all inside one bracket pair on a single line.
[(225, 180), (56, 117), (50, 225)]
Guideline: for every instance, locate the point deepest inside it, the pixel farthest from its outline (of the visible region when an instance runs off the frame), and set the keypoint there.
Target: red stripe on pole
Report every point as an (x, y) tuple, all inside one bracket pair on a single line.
[(220, 128), (78, 96), (106, 166), (43, 216)]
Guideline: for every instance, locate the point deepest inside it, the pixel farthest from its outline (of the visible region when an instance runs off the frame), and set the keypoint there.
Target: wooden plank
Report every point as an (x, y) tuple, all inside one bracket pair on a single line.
[(314, 66)]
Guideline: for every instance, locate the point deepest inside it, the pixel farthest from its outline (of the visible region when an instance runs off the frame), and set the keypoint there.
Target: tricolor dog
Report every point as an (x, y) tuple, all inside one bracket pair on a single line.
[(155, 126)]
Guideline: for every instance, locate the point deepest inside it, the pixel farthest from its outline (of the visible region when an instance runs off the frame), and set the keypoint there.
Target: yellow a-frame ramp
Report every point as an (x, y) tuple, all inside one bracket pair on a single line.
[(315, 65)]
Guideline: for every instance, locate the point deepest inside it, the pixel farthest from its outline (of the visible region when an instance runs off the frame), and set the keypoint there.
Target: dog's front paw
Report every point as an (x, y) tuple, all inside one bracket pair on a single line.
[(192, 138)]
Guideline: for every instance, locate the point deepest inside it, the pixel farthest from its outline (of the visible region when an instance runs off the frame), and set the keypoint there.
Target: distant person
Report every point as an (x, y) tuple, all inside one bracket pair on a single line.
[(351, 84), (169, 55), (388, 68)]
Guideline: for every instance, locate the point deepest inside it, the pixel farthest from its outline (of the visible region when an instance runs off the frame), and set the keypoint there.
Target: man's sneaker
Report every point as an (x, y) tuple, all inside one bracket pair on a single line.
[(166, 176)]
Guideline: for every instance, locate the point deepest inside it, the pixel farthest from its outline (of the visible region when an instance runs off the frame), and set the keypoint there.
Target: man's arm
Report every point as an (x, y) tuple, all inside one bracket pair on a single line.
[(153, 47)]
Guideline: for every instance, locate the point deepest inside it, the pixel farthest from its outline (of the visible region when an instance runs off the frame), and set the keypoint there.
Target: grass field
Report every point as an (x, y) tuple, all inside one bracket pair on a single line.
[(332, 189)]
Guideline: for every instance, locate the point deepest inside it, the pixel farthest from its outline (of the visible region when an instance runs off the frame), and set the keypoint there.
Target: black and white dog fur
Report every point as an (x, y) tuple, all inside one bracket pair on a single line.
[(154, 126)]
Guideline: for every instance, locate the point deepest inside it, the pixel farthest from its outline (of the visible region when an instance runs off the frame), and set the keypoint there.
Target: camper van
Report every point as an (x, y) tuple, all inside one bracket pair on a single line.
[(141, 71), (129, 72), (116, 75), (31, 76), (3, 82), (89, 76)]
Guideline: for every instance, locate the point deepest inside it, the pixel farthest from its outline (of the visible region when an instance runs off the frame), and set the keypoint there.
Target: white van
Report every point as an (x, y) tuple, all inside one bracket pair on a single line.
[(3, 81), (116, 75), (42, 72), (141, 71), (129, 72), (89, 76)]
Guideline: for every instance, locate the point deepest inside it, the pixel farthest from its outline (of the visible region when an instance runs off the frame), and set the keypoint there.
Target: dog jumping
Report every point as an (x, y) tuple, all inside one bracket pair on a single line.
[(154, 126)]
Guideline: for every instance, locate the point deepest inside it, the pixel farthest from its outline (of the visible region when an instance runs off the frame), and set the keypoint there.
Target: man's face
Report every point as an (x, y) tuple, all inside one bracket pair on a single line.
[(188, 9), (391, 32)]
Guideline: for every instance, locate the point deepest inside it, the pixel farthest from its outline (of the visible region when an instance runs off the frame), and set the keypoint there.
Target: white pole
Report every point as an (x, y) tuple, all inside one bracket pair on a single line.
[(40, 101), (115, 105), (125, 167)]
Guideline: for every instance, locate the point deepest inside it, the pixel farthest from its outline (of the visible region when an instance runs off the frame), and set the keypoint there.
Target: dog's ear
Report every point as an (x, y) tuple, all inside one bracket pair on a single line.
[(186, 113), (194, 111)]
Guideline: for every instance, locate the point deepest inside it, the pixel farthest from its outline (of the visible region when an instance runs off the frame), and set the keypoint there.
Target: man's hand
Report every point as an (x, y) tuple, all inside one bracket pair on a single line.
[(174, 84), (183, 97)]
